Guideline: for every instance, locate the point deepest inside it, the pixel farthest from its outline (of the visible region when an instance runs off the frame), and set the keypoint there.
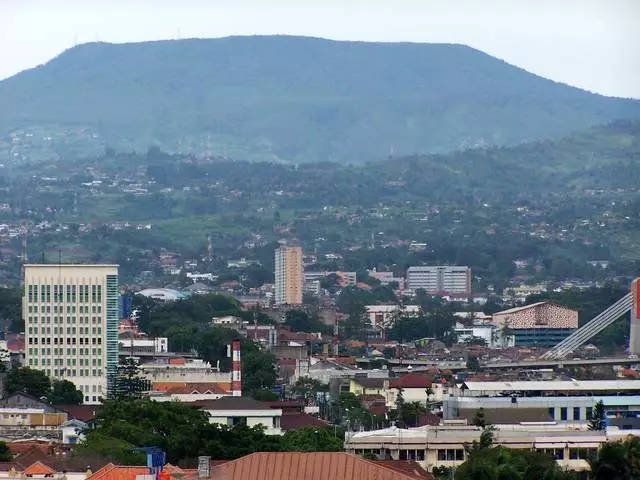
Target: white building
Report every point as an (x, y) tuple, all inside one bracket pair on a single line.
[(444, 445), (489, 333), (164, 294), (183, 371), (235, 410), (567, 402), (440, 280), (382, 316), (71, 315), (131, 346), (347, 279)]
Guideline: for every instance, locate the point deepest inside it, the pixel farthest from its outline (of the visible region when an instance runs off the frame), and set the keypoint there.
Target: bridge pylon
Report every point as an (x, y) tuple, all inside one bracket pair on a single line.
[(634, 324)]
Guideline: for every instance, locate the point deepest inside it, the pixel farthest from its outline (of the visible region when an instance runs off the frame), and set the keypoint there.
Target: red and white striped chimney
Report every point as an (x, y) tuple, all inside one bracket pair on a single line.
[(236, 370)]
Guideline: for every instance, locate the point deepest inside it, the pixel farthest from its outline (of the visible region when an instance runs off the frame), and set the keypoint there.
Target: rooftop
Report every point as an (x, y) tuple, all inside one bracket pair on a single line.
[(308, 466), (231, 403), (533, 305), (553, 385)]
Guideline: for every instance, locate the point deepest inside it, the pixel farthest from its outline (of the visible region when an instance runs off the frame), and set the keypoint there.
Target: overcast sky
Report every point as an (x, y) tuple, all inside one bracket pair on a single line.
[(593, 44)]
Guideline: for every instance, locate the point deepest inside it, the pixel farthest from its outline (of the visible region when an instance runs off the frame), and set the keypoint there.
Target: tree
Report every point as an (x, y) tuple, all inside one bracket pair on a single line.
[(64, 392), (113, 449), (308, 388), (129, 384), (400, 404), (264, 395), (32, 382), (180, 431), (313, 439), (478, 419), (11, 310), (258, 369), (505, 463), (598, 420), (473, 364), (5, 453), (476, 341), (617, 460), (301, 321)]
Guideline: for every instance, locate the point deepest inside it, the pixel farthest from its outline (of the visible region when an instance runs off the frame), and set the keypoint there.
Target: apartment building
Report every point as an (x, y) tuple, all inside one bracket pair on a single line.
[(71, 315), (440, 280), (289, 276)]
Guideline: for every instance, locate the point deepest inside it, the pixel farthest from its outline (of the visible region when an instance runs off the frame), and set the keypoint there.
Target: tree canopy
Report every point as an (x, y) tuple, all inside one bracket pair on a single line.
[(37, 384)]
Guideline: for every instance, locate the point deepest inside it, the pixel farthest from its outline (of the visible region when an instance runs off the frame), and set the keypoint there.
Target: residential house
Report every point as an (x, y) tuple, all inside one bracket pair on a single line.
[(242, 410), (414, 388), (23, 416), (369, 386)]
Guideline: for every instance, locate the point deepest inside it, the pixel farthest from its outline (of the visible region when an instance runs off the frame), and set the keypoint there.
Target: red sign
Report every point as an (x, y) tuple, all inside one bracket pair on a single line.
[(636, 296)]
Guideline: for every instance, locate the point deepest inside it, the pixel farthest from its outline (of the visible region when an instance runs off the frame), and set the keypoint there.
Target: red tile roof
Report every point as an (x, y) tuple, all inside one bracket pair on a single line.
[(412, 380), (307, 466), (38, 468), (85, 413), (292, 421), (118, 472), (407, 467)]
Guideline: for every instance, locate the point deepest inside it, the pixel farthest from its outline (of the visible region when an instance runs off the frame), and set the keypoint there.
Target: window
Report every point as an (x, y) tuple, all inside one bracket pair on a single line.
[(563, 413), (552, 412), (556, 453), (576, 413), (450, 455), (589, 413), (237, 421), (582, 453)]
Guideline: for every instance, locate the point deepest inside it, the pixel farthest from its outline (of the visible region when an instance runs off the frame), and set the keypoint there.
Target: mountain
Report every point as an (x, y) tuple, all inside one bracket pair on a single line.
[(292, 99)]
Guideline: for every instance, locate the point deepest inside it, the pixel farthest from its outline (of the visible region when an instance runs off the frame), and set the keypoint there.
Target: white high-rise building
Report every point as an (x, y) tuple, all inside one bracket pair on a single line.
[(440, 280), (71, 315), (289, 276)]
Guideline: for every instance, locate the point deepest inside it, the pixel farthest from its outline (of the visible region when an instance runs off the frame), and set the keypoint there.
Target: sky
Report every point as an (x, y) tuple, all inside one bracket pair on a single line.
[(591, 44)]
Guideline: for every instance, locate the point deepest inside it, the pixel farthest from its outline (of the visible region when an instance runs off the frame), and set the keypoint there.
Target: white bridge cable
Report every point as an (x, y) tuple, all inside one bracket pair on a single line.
[(591, 328)]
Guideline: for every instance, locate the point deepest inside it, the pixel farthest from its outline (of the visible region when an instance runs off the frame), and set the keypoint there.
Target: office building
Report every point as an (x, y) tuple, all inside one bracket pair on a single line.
[(289, 276), (452, 281), (71, 315)]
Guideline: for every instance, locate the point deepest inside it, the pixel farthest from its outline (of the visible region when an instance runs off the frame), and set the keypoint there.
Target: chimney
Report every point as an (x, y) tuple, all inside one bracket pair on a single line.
[(236, 370)]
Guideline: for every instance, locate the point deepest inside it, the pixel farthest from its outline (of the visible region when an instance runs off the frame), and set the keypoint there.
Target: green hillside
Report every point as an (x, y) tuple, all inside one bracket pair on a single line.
[(293, 99)]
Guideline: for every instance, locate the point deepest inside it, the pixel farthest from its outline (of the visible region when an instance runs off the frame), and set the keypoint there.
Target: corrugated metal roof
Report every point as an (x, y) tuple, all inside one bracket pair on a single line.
[(551, 385), (307, 466)]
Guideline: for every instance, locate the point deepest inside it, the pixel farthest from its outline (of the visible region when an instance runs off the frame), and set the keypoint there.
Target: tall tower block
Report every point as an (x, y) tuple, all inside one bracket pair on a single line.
[(634, 329)]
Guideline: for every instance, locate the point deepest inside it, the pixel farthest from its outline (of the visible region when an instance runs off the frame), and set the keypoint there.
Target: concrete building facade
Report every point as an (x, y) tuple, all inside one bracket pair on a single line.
[(71, 315), (440, 280), (289, 276)]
